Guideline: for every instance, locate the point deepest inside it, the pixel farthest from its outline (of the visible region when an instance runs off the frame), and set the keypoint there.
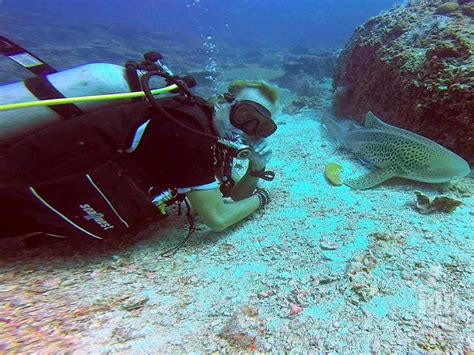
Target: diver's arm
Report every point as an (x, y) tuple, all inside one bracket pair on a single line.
[(217, 214), (244, 185)]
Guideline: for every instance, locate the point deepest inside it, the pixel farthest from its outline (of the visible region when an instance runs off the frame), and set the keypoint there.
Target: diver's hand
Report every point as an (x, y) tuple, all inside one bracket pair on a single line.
[(261, 153)]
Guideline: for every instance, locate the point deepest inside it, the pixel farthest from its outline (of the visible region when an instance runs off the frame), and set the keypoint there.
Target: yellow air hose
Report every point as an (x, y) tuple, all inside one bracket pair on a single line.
[(70, 100)]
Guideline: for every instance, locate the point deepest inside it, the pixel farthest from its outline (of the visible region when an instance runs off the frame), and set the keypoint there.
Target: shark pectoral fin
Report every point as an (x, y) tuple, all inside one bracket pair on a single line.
[(371, 179)]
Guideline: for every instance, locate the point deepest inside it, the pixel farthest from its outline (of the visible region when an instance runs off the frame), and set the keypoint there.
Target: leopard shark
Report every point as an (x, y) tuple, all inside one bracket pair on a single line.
[(394, 152)]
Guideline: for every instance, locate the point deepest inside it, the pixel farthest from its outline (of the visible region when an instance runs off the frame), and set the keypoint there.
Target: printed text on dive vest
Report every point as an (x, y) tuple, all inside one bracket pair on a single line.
[(96, 217)]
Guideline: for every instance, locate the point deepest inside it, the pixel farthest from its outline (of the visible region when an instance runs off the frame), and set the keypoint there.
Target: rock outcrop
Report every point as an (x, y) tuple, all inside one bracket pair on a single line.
[(414, 67), (302, 72)]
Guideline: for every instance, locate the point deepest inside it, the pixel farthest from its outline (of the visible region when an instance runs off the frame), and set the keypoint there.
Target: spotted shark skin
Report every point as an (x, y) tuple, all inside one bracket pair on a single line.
[(395, 152)]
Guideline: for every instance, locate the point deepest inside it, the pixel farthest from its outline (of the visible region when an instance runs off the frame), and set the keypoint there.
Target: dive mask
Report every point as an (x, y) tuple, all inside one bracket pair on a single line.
[(252, 118)]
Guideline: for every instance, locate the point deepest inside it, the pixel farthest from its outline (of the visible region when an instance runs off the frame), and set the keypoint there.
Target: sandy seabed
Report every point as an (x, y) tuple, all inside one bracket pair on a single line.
[(322, 268)]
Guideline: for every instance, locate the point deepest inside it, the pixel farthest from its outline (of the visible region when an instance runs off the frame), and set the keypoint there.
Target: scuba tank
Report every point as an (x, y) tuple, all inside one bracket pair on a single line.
[(85, 80), (90, 80)]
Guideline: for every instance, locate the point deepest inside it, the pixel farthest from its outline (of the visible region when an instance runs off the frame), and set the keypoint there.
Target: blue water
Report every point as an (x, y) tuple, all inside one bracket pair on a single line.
[(306, 22)]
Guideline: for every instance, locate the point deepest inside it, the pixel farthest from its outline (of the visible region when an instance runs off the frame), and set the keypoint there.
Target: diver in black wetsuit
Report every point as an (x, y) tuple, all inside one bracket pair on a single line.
[(105, 172)]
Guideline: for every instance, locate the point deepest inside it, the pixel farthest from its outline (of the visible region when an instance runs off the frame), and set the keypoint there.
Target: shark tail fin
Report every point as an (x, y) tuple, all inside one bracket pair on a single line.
[(371, 179)]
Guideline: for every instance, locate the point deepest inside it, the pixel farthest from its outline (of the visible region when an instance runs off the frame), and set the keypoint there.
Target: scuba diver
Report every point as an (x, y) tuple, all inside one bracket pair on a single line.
[(99, 170)]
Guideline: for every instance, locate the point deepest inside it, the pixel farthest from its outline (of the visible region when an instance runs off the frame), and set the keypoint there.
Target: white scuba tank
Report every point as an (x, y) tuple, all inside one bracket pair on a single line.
[(84, 80)]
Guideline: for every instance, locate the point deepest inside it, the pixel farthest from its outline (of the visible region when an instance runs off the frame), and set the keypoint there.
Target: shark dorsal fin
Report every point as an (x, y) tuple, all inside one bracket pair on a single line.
[(372, 121)]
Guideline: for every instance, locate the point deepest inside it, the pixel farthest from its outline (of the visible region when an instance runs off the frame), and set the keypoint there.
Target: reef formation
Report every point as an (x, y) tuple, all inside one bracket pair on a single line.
[(414, 66)]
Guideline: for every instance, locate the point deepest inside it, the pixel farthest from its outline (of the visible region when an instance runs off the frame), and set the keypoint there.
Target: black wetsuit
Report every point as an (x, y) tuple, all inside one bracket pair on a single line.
[(76, 178)]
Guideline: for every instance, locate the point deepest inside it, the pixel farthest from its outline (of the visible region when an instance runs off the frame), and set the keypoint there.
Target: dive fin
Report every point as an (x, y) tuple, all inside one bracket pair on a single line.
[(371, 179)]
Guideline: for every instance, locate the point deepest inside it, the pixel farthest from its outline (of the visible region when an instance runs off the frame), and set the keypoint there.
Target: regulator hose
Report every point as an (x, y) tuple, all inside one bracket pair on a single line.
[(181, 87)]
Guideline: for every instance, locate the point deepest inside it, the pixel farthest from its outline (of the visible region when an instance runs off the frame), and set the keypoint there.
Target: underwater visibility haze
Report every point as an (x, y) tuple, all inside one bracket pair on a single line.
[(300, 182)]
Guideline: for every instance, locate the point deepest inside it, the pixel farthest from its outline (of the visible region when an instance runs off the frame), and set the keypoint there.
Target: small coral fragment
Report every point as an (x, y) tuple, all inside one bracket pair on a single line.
[(333, 172), (295, 309)]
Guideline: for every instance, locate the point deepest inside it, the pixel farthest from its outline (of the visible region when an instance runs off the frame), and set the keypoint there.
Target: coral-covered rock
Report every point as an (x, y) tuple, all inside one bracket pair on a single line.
[(303, 71), (447, 8), (305, 75), (300, 103), (415, 70), (468, 9), (319, 66)]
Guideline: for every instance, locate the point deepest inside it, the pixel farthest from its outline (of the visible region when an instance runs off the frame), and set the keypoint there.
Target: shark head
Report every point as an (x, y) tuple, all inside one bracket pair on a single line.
[(442, 167)]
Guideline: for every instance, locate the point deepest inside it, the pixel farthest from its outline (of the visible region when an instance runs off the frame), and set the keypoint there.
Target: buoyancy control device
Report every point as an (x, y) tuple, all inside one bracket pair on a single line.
[(72, 177)]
